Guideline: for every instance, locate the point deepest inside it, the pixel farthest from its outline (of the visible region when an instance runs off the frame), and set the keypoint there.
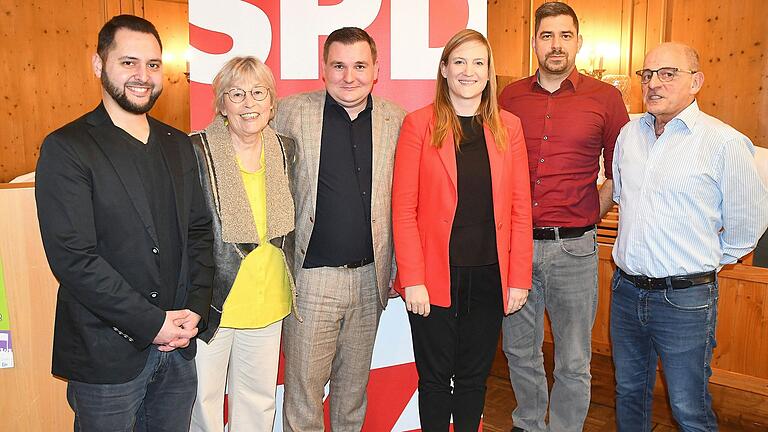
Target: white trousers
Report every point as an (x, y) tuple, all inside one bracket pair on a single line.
[(244, 363)]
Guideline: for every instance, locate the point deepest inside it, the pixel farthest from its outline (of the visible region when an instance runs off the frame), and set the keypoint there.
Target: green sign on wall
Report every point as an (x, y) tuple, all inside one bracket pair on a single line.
[(6, 350)]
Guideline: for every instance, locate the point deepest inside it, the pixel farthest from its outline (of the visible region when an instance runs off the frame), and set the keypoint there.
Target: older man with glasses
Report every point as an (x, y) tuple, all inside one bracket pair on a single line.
[(690, 201)]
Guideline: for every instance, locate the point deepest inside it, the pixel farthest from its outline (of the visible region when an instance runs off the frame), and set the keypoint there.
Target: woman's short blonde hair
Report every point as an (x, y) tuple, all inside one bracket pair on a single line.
[(239, 68)]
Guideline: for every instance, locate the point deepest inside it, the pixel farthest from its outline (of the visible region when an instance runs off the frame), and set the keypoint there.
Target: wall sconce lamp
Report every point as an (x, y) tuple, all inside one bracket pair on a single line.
[(592, 71), (599, 58), (176, 63), (596, 58)]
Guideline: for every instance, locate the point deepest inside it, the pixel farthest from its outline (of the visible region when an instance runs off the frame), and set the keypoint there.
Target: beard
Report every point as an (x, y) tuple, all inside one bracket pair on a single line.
[(121, 98), (557, 68)]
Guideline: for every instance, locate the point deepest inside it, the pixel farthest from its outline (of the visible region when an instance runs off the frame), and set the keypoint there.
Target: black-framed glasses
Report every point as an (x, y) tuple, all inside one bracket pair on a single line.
[(665, 74), (237, 95)]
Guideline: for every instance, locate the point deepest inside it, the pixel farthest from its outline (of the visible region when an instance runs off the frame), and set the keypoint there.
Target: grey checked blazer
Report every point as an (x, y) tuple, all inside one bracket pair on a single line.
[(300, 117)]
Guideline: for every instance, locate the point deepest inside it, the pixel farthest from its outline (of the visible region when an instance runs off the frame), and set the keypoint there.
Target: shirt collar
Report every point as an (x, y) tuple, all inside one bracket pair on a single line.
[(687, 117), (573, 79), (331, 102)]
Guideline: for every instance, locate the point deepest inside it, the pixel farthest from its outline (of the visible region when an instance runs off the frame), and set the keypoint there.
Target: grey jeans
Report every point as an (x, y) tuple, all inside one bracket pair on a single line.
[(565, 285)]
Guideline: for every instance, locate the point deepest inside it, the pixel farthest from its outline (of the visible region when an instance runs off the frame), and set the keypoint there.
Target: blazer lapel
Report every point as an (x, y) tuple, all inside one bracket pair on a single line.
[(116, 149), (379, 132), (447, 152), (170, 152), (496, 161), (312, 120)]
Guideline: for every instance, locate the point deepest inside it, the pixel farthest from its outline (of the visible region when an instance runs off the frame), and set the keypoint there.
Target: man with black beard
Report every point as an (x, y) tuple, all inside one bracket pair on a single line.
[(568, 119), (127, 234)]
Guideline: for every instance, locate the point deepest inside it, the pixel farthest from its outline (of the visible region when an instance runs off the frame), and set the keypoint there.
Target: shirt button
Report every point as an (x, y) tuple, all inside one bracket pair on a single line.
[(548, 116), (363, 192), (541, 160), (545, 138), (358, 170), (153, 294), (354, 146), (538, 181), (155, 250), (311, 219), (535, 204)]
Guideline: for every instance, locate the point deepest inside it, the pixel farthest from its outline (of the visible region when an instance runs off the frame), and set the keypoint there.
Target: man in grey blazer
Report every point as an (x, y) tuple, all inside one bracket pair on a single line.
[(345, 147)]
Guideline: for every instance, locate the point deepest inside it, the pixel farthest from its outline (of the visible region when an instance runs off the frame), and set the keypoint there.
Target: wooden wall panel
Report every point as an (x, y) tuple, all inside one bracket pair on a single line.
[(47, 80), (742, 338), (648, 25), (45, 66), (509, 24), (171, 20), (732, 40), (604, 25), (45, 48), (731, 37), (33, 400), (600, 25)]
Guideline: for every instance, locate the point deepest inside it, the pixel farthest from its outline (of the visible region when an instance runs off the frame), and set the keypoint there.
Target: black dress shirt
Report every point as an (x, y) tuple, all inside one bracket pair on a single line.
[(342, 228), (158, 188), (473, 235)]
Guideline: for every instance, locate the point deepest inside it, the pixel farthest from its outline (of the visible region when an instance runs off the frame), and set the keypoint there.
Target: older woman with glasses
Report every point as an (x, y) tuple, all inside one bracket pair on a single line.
[(244, 170)]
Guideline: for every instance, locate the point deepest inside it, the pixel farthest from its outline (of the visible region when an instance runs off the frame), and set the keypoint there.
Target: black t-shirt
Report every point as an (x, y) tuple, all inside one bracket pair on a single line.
[(158, 188), (473, 235)]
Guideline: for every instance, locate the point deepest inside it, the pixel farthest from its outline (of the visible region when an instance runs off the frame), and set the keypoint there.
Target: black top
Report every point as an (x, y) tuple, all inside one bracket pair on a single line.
[(156, 179), (473, 235), (760, 258), (342, 230)]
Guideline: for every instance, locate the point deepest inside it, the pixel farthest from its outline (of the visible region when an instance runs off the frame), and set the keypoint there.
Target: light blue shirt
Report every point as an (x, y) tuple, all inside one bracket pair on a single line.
[(690, 200)]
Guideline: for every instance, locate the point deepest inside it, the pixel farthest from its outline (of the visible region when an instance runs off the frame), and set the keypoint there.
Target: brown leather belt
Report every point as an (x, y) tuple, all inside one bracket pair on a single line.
[(549, 233), (674, 282)]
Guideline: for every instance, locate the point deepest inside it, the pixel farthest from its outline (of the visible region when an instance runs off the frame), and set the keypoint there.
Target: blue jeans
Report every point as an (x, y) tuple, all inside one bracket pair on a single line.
[(565, 285), (159, 399), (677, 326)]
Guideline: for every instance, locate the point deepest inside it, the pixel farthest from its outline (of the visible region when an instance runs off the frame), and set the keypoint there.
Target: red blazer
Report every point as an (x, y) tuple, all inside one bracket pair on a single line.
[(424, 199)]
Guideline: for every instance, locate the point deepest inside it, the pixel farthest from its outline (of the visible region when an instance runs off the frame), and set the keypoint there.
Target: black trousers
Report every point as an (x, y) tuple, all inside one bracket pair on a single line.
[(457, 344)]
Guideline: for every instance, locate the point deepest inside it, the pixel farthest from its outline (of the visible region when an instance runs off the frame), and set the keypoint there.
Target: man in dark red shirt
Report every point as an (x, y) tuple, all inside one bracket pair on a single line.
[(568, 120)]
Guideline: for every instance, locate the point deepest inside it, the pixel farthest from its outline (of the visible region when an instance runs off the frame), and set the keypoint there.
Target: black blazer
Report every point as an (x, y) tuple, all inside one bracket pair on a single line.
[(101, 244)]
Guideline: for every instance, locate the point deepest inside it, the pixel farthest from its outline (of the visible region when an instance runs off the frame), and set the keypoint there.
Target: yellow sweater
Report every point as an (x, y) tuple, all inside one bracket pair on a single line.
[(261, 294)]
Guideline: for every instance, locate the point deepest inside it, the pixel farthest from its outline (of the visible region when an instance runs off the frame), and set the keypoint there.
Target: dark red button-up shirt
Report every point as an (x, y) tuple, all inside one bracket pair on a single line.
[(565, 132)]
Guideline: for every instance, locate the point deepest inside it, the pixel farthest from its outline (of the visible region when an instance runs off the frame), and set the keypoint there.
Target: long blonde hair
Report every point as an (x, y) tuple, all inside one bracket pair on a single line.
[(445, 115)]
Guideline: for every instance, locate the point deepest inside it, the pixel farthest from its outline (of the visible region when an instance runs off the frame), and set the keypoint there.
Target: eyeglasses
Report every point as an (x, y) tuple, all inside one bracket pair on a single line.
[(665, 74), (237, 95)]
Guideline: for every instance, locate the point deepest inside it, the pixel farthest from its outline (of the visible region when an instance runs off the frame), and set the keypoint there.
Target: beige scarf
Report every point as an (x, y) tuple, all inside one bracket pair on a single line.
[(237, 224)]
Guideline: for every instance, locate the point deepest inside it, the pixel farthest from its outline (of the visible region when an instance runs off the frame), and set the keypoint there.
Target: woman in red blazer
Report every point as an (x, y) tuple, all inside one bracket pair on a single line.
[(462, 229)]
